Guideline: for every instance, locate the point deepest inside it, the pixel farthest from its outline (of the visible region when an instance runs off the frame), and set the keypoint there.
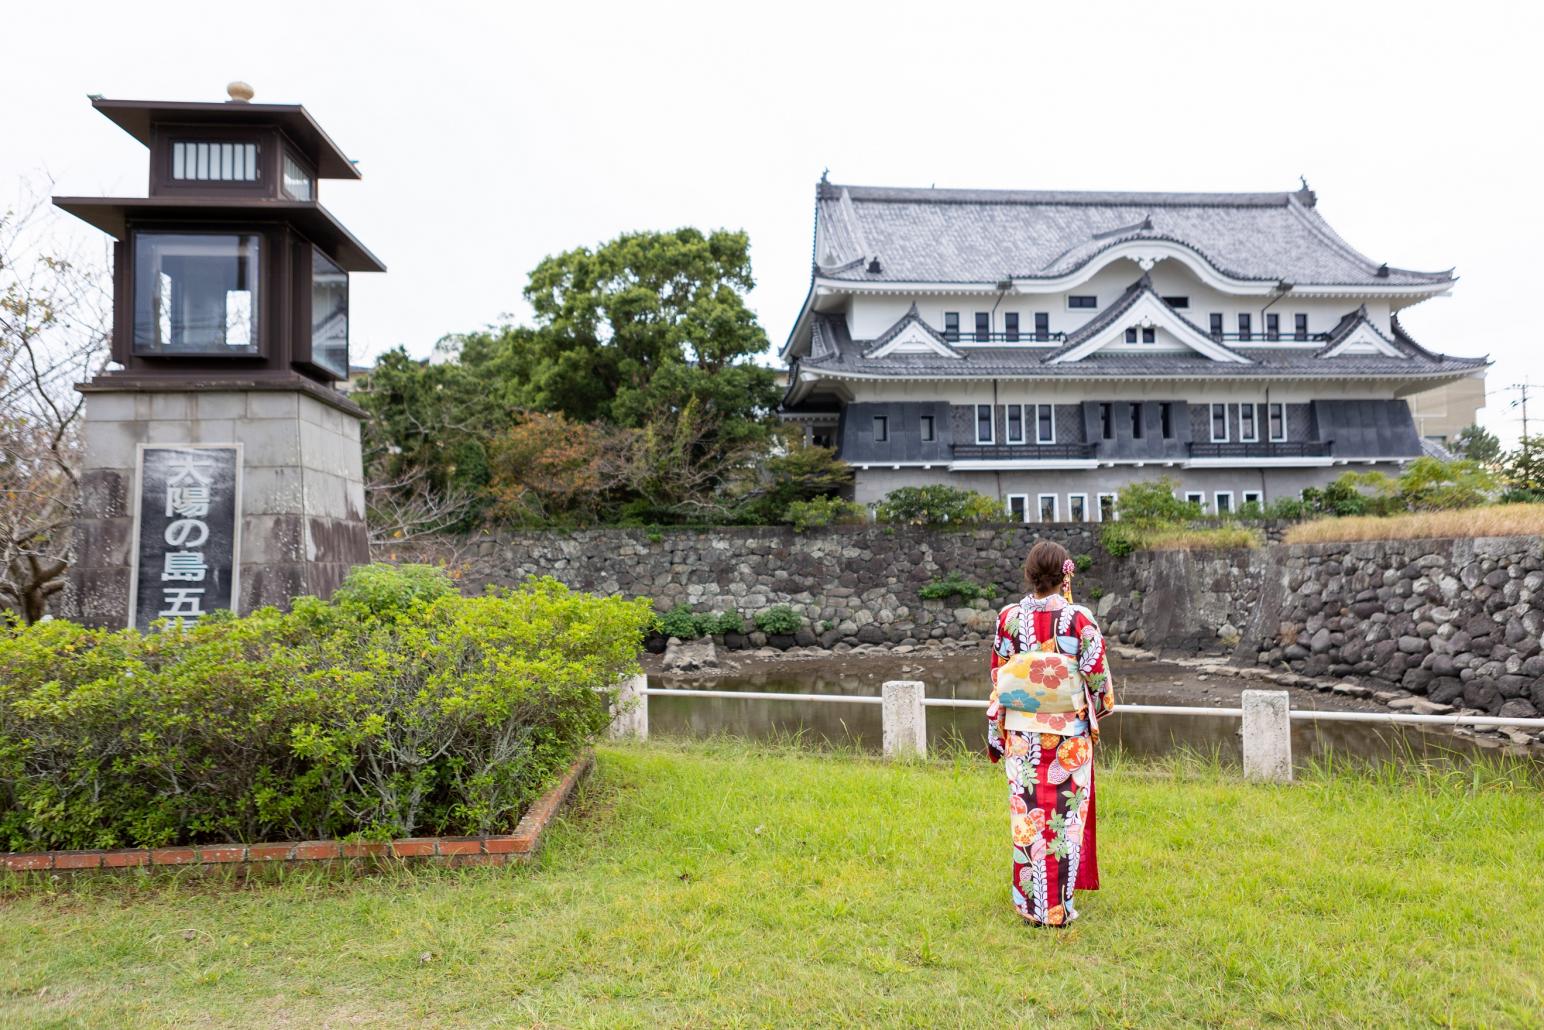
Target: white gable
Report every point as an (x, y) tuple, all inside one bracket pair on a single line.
[(913, 339), (1172, 331), (1365, 339)]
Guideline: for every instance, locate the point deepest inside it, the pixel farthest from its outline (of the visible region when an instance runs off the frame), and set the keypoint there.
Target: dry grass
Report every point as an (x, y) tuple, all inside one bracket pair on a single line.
[(1466, 523), (1216, 538)]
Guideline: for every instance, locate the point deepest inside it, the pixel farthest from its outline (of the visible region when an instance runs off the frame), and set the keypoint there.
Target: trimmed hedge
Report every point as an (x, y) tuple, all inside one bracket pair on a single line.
[(397, 709)]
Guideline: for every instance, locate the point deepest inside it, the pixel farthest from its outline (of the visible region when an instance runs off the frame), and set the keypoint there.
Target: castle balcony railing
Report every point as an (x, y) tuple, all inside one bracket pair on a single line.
[(1263, 449), (1023, 451), (1022, 336)]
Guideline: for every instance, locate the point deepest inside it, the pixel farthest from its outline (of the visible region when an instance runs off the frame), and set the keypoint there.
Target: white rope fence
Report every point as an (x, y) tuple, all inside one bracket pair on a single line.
[(1267, 716)]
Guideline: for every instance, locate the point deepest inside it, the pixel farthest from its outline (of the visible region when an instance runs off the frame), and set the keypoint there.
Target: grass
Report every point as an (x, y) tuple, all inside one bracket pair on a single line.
[(728, 885), (1465, 523), (1211, 538)]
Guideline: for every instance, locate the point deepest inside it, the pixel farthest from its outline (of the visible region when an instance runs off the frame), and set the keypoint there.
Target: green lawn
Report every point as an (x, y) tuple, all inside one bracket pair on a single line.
[(721, 885)]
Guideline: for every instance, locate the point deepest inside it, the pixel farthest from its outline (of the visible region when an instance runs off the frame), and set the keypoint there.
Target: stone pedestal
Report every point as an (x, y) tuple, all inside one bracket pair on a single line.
[(302, 500)]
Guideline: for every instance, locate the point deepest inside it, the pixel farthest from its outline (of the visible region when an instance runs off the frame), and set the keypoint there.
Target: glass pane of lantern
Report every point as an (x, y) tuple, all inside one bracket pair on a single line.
[(196, 293), (297, 181), (329, 315), (179, 156)]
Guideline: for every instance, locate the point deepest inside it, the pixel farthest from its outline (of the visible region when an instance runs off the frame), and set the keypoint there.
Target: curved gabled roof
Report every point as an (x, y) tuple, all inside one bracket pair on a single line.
[(882, 234)]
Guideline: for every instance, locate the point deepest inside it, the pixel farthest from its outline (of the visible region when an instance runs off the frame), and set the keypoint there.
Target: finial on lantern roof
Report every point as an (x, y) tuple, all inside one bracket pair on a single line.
[(239, 92)]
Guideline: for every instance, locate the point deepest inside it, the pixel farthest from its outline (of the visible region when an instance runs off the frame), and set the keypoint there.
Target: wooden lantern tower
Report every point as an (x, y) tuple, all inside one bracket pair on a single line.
[(222, 465)]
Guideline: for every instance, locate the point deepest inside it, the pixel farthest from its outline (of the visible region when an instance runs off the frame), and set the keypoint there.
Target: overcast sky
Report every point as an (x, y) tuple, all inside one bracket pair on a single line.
[(491, 135)]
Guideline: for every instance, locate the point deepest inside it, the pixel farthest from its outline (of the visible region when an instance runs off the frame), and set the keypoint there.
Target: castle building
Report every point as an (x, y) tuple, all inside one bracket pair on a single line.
[(1046, 348)]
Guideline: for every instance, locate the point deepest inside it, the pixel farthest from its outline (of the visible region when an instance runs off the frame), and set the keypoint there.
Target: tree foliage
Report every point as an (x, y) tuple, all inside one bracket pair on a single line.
[(633, 397), (1477, 444), (54, 317)]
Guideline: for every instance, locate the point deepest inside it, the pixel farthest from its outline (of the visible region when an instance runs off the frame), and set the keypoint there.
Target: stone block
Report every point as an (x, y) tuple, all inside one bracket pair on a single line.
[(272, 539), (343, 541), (269, 442), (324, 494), (171, 431), (1267, 735), (109, 407), (220, 404), (275, 584), (104, 493), (272, 490), (904, 719), (112, 444), (171, 406), (273, 404), (103, 543)]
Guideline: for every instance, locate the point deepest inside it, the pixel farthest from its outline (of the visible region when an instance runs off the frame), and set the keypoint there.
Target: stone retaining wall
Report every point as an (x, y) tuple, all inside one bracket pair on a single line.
[(1458, 621)]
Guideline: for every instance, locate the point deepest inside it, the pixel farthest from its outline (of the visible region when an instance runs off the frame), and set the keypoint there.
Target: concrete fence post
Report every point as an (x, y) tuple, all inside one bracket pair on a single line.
[(1267, 736), (630, 710), (905, 720)]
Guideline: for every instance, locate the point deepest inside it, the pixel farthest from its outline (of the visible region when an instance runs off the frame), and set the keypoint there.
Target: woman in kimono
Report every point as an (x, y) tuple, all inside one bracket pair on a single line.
[(1049, 755)]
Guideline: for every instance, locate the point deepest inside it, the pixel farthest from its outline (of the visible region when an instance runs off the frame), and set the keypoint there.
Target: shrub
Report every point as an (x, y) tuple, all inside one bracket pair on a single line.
[(952, 585), (398, 709), (1155, 501), (937, 505), (380, 591), (820, 512), (1118, 538), (1431, 485), (1083, 562), (780, 619), (683, 623), (729, 622)]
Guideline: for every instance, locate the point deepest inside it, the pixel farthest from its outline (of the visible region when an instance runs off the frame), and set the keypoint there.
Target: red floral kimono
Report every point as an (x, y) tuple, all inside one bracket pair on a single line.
[(1049, 760)]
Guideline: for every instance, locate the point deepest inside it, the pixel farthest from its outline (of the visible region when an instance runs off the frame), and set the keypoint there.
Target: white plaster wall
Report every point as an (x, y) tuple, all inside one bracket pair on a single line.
[(1011, 391), (869, 315)]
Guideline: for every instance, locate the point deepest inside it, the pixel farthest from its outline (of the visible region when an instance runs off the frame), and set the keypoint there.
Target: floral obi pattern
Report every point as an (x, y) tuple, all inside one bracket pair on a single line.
[(1036, 682)]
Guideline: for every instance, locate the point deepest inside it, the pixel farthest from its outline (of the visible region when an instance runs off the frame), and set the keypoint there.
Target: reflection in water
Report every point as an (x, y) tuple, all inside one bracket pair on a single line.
[(1137, 735)]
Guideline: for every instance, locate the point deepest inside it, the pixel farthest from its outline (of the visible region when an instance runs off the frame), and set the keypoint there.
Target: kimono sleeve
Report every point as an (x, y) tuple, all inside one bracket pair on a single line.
[(1093, 663), (1004, 644)]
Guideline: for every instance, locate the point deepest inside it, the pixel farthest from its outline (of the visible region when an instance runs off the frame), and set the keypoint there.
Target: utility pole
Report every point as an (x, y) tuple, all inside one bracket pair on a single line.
[(1521, 389)]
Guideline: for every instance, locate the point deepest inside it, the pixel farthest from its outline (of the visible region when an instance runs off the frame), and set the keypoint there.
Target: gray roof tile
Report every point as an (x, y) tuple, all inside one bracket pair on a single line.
[(981, 236)]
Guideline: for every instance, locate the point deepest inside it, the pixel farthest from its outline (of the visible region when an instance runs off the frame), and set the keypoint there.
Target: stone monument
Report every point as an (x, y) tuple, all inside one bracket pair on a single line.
[(222, 466)]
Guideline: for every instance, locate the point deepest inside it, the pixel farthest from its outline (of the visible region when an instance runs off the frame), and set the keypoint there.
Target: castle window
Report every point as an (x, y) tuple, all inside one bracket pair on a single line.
[(1177, 302), (881, 428), (951, 325), (1083, 302), (1042, 325), (1244, 331), (929, 434), (984, 423), (1015, 423), (1300, 326), (1045, 424), (1219, 423), (983, 327), (1011, 326)]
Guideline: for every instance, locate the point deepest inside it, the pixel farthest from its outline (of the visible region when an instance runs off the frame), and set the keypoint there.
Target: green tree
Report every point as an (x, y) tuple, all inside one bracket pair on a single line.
[(1522, 470), (1151, 503), (1477, 444), (1431, 485), (646, 321)]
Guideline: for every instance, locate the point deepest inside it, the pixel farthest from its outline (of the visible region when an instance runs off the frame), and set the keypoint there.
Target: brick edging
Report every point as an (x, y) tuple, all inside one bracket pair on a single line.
[(493, 849)]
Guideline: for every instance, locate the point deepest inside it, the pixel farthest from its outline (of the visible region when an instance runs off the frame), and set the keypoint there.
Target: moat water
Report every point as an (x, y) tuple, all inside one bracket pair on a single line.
[(1136, 734)]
